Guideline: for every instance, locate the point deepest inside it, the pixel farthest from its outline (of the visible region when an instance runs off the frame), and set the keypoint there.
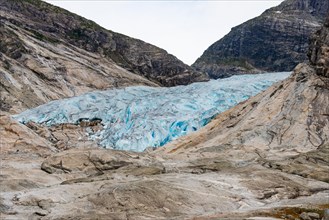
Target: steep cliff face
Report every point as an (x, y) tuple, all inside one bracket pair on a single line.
[(49, 53), (277, 40), (319, 50)]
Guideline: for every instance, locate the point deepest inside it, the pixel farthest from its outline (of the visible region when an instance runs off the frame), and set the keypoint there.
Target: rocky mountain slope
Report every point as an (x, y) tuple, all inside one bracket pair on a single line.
[(48, 53), (265, 158), (277, 40)]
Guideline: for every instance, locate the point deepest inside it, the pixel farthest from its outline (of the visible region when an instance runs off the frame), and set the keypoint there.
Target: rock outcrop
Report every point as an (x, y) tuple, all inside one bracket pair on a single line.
[(48, 53), (319, 50), (41, 179), (277, 40)]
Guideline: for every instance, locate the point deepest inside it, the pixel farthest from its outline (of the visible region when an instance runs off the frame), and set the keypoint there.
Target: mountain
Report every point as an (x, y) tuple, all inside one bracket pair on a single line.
[(275, 41), (266, 158), (49, 53)]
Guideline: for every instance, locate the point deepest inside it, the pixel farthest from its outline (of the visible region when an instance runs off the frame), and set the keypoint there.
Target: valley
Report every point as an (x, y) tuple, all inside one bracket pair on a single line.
[(98, 125)]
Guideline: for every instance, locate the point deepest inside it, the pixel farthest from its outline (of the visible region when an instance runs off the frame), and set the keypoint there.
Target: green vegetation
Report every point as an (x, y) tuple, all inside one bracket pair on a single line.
[(117, 58), (6, 65), (77, 34), (88, 24), (296, 211), (43, 38), (236, 62), (40, 4), (33, 2)]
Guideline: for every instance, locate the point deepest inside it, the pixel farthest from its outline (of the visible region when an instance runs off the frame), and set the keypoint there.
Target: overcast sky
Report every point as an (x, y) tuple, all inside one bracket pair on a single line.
[(183, 28)]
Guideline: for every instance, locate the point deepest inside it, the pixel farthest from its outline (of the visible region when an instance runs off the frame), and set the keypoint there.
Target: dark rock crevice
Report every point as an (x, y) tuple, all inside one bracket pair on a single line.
[(319, 50)]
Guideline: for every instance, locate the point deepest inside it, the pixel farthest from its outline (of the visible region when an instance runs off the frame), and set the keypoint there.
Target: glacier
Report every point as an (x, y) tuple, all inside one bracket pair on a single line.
[(138, 117)]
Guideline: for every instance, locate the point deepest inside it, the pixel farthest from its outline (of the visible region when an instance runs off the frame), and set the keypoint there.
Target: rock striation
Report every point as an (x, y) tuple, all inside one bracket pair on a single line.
[(266, 158), (48, 53), (319, 50), (277, 40)]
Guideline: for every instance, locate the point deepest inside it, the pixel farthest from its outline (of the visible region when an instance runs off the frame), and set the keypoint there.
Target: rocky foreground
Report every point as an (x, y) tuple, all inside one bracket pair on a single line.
[(266, 157)]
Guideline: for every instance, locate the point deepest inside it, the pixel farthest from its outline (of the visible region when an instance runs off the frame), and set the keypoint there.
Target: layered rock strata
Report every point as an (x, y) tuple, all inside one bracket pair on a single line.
[(277, 40), (48, 53)]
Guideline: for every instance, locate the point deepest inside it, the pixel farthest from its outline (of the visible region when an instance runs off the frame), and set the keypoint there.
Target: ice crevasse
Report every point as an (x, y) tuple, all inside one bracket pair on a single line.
[(138, 117)]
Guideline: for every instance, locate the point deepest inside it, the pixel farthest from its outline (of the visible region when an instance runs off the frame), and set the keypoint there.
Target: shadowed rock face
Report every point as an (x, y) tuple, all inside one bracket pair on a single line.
[(277, 40), (319, 50), (49, 53)]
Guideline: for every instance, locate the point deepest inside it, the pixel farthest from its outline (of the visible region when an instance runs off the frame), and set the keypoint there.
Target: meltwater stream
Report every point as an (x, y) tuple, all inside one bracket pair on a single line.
[(138, 117)]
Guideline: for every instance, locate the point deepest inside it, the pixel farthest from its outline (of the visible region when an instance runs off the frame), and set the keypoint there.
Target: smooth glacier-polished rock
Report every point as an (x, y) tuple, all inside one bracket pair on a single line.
[(135, 118)]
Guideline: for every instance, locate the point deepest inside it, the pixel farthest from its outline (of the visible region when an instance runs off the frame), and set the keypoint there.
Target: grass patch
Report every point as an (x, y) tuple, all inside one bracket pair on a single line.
[(6, 65), (42, 37), (77, 34), (236, 62), (296, 211)]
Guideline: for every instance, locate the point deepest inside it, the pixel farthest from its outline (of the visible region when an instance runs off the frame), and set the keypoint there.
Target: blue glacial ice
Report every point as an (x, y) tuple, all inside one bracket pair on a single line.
[(138, 117)]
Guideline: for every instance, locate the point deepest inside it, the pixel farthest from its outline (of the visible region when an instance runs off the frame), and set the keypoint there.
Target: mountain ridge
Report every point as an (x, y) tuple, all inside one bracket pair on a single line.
[(57, 51), (265, 158), (277, 40)]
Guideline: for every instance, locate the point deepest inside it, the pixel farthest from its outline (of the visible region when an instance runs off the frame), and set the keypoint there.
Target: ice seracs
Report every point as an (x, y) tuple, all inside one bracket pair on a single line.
[(135, 118)]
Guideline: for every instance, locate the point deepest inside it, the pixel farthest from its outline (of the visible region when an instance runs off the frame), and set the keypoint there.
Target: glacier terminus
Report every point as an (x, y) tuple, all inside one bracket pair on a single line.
[(138, 117)]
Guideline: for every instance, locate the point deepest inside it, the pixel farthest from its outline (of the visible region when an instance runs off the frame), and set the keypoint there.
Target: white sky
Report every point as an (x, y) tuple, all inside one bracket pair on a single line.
[(183, 28)]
